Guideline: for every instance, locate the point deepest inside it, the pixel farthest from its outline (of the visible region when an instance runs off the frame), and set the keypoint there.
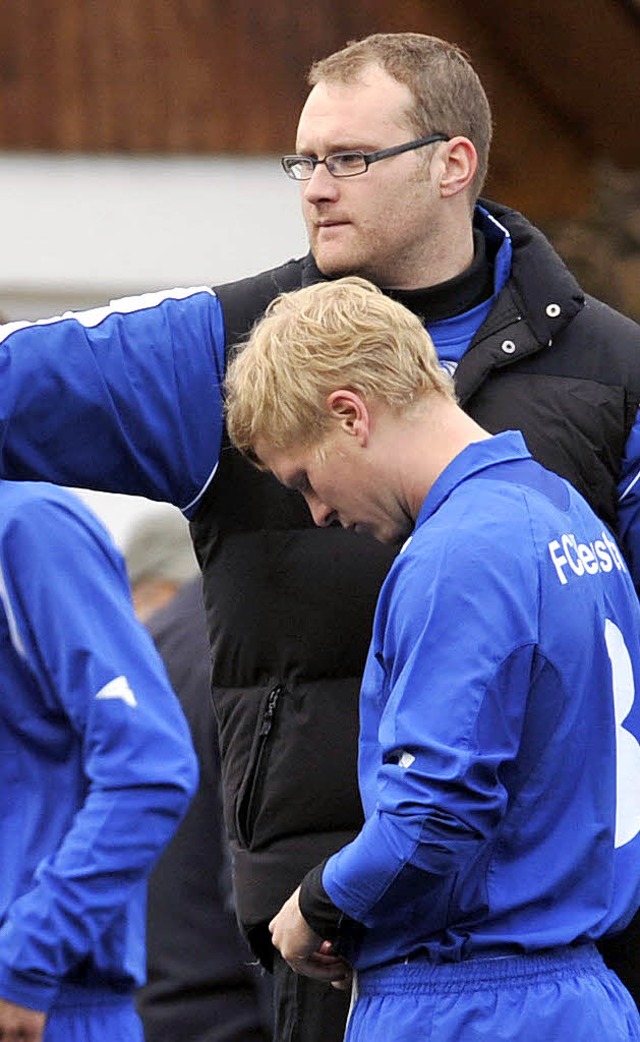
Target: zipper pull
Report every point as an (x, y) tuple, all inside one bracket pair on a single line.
[(270, 708)]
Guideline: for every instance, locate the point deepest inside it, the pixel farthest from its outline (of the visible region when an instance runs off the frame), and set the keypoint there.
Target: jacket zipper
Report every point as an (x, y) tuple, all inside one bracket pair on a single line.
[(270, 710), (254, 789)]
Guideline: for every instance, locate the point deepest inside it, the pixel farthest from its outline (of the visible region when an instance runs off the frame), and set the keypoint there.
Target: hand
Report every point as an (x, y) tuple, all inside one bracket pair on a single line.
[(305, 952), (19, 1024)]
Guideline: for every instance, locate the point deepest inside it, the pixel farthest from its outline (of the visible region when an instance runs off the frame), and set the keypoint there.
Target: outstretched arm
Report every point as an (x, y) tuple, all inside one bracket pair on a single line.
[(125, 398)]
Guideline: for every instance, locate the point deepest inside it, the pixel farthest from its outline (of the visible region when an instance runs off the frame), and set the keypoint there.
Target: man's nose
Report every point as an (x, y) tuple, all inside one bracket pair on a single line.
[(321, 185), (322, 514)]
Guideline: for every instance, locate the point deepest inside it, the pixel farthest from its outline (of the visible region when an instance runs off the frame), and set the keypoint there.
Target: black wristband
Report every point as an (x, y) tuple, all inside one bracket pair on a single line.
[(325, 918), (317, 907)]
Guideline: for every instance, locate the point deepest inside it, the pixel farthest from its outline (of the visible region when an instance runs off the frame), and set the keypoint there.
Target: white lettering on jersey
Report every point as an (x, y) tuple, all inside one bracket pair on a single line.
[(118, 688), (627, 747), (568, 555)]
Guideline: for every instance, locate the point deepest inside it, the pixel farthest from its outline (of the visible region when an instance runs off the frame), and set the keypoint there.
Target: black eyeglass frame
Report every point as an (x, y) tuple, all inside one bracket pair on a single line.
[(367, 157)]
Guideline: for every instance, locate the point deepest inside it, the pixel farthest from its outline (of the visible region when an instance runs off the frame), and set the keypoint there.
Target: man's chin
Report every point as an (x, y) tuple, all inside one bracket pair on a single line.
[(396, 536), (359, 528), (388, 536), (333, 261), (332, 267)]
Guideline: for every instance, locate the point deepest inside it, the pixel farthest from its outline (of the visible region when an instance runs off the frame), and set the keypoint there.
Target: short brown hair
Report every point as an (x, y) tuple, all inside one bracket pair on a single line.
[(448, 95), (325, 337)]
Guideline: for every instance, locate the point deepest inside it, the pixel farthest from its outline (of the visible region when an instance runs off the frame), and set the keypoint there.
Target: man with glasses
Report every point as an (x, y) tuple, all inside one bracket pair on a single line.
[(392, 151)]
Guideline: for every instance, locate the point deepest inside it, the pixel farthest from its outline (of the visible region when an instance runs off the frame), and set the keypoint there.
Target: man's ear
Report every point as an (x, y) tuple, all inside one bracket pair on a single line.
[(350, 412), (459, 167)]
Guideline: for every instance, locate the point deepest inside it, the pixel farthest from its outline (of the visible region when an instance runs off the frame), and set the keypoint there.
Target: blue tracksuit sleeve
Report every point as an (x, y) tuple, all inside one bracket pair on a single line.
[(629, 503), (125, 398), (97, 706), (450, 699)]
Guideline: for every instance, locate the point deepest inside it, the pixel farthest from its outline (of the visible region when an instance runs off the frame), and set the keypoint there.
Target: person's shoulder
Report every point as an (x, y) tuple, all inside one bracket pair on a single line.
[(265, 285), (16, 496), (604, 343), (38, 508), (480, 522), (244, 300), (557, 307), (461, 557), (611, 323)]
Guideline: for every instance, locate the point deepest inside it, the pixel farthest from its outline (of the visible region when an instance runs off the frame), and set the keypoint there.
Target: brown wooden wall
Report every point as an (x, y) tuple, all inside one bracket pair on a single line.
[(227, 76)]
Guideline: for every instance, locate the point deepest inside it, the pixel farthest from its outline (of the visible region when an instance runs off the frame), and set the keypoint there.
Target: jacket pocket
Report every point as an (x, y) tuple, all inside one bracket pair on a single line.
[(250, 793)]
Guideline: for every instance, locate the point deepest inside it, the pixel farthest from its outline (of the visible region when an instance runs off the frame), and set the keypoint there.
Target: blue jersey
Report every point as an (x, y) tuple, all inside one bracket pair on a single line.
[(125, 398), (96, 762), (500, 716)]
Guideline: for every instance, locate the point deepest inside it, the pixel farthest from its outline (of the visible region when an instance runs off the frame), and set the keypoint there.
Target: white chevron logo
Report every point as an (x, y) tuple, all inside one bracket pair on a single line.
[(118, 688)]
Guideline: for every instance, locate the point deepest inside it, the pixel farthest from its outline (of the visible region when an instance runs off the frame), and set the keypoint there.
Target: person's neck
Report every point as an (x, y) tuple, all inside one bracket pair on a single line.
[(455, 295), (426, 442)]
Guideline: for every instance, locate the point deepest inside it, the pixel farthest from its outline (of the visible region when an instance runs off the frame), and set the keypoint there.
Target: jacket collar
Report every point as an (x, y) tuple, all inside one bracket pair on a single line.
[(476, 457), (543, 288)]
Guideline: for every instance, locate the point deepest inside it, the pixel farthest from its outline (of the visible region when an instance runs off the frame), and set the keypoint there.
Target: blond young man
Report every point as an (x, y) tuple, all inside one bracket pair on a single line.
[(391, 151), (499, 684)]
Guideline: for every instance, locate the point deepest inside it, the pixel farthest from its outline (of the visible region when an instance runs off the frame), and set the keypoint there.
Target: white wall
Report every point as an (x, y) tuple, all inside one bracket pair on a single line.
[(79, 230), (90, 227)]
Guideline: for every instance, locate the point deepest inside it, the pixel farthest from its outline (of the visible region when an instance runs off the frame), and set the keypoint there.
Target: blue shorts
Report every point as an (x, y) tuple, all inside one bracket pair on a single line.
[(87, 1015), (563, 995)]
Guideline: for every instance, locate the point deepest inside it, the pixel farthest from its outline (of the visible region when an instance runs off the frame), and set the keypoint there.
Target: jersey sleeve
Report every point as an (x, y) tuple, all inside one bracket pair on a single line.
[(629, 503), (94, 666), (452, 643), (125, 398)]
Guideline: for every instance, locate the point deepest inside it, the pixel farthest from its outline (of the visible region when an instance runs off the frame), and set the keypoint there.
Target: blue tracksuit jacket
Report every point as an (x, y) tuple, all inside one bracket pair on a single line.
[(96, 762)]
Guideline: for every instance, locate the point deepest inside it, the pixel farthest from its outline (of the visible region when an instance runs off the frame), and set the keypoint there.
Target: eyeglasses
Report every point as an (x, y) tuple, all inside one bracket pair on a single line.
[(349, 164)]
